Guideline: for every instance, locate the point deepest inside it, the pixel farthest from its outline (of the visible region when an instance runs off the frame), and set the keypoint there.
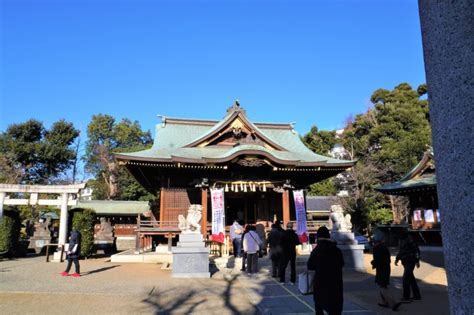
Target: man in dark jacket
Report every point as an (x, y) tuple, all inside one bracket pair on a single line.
[(274, 241), (381, 264), (327, 262), (73, 252), (409, 254), (289, 240)]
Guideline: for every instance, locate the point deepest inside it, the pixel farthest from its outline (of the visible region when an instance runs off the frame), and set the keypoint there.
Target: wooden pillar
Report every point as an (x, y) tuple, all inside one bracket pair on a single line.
[(137, 240), (162, 206), (286, 207), (204, 212)]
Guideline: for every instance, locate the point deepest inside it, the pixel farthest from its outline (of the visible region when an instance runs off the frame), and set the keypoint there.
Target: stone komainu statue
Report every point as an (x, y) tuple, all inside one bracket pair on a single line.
[(106, 231), (191, 224), (340, 223)]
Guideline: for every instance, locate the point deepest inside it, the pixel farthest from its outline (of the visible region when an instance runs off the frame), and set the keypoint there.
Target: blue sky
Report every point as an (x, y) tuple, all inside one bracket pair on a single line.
[(309, 62)]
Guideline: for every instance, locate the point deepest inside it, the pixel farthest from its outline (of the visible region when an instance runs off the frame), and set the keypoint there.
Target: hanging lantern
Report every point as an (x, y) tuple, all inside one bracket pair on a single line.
[(264, 187), (245, 187), (232, 187), (241, 186), (226, 189)]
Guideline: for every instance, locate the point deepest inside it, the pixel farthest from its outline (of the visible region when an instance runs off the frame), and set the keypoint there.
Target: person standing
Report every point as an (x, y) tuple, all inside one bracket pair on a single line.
[(252, 243), (236, 231), (409, 255), (244, 253), (326, 260), (274, 242), (289, 240), (381, 264), (73, 252)]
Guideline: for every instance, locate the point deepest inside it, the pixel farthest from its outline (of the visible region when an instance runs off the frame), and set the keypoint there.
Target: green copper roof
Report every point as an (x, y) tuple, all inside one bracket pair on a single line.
[(422, 176), (115, 207), (415, 183), (174, 136)]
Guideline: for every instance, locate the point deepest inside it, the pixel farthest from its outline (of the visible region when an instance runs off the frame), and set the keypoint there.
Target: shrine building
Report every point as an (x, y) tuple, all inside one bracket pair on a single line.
[(419, 185), (257, 164)]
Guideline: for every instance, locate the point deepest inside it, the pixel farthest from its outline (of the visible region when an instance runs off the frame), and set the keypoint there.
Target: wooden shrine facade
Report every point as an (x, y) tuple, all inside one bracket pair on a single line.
[(257, 165)]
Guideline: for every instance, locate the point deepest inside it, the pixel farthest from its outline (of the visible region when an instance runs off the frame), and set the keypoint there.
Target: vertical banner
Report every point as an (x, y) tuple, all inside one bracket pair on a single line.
[(301, 228), (218, 215)]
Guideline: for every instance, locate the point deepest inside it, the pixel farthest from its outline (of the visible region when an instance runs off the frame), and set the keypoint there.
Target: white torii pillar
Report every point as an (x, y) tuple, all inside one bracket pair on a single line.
[(2, 200), (63, 219)]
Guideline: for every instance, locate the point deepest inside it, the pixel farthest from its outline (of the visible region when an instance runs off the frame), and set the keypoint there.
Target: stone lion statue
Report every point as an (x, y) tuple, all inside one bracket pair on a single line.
[(191, 224), (340, 223), (106, 230)]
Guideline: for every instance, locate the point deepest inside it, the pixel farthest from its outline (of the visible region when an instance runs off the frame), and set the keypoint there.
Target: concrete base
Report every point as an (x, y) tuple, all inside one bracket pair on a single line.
[(192, 275), (190, 257), (125, 242), (163, 249), (344, 238), (129, 256), (57, 257), (353, 257)]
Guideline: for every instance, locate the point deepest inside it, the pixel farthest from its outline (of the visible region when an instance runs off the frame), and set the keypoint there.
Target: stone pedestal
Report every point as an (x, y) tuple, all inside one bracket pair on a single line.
[(344, 238), (353, 257), (190, 257), (38, 242), (353, 254), (105, 246)]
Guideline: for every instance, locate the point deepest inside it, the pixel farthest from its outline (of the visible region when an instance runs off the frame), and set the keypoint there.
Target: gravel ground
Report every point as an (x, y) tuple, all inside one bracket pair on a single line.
[(31, 286)]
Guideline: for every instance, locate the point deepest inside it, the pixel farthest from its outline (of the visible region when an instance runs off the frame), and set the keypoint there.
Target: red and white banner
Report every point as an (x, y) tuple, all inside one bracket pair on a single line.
[(218, 215), (301, 227)]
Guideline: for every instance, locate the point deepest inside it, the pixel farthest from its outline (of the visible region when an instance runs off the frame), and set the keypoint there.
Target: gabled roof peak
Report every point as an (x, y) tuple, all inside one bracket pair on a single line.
[(236, 108)]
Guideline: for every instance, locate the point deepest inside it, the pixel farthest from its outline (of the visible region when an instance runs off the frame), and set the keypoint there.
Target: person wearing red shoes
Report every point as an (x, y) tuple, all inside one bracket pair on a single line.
[(73, 253)]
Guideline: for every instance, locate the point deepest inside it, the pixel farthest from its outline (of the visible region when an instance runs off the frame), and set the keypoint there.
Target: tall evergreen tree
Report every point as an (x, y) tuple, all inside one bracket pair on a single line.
[(387, 141), (32, 154), (105, 137)]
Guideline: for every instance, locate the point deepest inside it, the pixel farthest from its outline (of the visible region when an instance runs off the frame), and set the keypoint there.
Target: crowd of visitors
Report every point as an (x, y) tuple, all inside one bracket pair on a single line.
[(327, 262)]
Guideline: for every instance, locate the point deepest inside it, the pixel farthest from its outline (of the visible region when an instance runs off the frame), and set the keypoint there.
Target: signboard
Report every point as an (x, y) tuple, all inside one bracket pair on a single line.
[(301, 227), (429, 216), (417, 215), (218, 215)]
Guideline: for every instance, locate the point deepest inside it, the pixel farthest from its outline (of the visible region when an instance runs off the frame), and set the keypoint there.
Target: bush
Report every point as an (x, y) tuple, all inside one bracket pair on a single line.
[(83, 222), (9, 233), (380, 216)]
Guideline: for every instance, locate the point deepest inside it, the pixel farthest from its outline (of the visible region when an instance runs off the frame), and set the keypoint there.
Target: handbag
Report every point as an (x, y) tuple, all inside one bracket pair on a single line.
[(260, 250), (305, 282)]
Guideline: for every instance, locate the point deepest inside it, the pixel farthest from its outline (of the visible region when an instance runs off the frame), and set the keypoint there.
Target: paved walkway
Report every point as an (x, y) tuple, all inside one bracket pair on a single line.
[(271, 297), (31, 286)]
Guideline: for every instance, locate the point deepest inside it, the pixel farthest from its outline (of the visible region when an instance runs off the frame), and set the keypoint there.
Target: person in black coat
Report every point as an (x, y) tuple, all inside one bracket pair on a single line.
[(73, 252), (274, 241), (409, 254), (381, 264), (289, 240), (326, 260)]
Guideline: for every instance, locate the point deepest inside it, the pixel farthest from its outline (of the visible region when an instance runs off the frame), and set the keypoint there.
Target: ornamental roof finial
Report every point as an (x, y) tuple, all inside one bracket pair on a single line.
[(236, 107)]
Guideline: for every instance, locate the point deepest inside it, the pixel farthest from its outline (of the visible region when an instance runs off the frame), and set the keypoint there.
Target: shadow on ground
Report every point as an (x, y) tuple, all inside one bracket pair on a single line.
[(98, 270)]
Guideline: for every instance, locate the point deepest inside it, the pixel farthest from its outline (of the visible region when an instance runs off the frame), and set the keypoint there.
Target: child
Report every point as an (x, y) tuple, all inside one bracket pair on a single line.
[(73, 254)]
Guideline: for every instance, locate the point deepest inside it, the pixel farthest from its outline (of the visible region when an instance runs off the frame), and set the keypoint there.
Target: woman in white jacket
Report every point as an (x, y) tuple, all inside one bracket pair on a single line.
[(252, 243)]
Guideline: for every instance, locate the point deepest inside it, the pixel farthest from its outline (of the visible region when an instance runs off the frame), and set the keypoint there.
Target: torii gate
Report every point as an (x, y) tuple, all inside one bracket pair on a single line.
[(64, 190)]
